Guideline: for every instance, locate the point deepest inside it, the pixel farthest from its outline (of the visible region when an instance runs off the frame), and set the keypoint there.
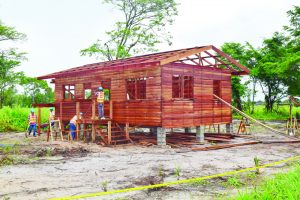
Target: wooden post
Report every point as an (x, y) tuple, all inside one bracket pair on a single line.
[(60, 116), (127, 131), (110, 109), (93, 132), (39, 121), (109, 132), (78, 116), (93, 109)]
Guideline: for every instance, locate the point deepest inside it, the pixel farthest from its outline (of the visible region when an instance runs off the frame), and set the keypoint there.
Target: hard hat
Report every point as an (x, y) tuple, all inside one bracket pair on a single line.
[(100, 88), (51, 108), (31, 110), (81, 113)]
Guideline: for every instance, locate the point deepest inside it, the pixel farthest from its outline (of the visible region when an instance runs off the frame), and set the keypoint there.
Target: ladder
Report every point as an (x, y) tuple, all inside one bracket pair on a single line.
[(55, 127)]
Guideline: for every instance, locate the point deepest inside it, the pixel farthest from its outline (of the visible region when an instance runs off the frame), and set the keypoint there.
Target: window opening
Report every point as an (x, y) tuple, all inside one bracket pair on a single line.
[(69, 92), (136, 88), (217, 88), (182, 87), (87, 91)]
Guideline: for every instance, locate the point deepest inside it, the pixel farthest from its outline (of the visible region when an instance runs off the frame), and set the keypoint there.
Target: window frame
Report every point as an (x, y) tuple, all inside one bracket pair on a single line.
[(182, 92), (67, 88), (87, 86), (137, 88)]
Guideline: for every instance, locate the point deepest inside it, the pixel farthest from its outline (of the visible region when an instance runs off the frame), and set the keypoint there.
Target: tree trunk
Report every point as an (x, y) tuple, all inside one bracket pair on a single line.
[(253, 96)]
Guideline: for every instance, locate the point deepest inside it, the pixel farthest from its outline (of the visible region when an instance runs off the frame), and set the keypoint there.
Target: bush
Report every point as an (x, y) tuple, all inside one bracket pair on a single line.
[(16, 118)]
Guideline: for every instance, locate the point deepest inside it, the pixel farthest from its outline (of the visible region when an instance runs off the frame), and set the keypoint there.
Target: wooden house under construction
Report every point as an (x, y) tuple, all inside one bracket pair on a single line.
[(166, 90)]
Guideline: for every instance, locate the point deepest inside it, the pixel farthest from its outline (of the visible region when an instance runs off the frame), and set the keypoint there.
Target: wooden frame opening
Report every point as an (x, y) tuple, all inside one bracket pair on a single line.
[(87, 91), (217, 88), (69, 92), (136, 88), (182, 87)]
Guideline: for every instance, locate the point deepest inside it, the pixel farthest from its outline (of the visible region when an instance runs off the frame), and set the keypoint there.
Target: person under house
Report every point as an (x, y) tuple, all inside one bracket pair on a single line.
[(73, 123), (51, 116), (100, 101), (32, 122)]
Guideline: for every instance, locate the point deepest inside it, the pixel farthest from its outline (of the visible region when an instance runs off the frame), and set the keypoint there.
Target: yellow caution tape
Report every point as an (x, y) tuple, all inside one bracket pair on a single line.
[(175, 182)]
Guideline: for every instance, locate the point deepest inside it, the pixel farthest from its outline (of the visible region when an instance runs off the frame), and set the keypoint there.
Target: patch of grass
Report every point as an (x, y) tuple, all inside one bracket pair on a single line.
[(161, 171), (199, 183), (280, 112), (14, 160), (177, 172), (233, 181), (10, 149), (282, 186), (256, 163), (104, 185), (15, 119), (251, 175)]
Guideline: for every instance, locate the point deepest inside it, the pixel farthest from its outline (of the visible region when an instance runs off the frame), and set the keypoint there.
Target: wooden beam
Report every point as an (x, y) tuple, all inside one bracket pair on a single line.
[(78, 116), (243, 68), (178, 56), (109, 132), (111, 109), (61, 116), (207, 61), (219, 60), (39, 121), (127, 131), (93, 132), (94, 109), (42, 105), (192, 60)]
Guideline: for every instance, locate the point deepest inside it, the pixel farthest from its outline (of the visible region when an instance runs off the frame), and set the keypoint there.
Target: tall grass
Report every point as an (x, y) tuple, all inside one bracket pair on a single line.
[(283, 186), (280, 112), (16, 119)]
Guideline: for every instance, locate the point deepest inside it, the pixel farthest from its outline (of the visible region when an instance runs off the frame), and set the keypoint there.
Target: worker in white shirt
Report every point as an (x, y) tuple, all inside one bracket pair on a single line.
[(73, 122), (51, 116)]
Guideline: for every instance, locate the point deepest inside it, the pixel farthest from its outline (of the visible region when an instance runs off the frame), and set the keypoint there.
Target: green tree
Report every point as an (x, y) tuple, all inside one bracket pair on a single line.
[(242, 54), (143, 27), (269, 71), (9, 59), (36, 91), (292, 61)]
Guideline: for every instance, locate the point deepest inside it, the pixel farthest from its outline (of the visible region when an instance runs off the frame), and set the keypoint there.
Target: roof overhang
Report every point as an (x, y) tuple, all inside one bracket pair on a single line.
[(206, 56)]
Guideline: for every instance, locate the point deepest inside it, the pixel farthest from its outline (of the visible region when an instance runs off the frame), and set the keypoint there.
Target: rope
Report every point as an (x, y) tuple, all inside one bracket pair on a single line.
[(251, 118)]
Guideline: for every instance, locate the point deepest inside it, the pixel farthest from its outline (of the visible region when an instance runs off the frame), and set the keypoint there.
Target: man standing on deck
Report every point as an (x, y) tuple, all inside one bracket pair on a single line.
[(32, 122), (73, 122), (100, 101)]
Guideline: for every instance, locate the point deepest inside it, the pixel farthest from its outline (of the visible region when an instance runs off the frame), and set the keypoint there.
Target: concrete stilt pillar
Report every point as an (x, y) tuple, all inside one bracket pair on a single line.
[(161, 136), (188, 130), (153, 130), (200, 133), (81, 130), (291, 132), (229, 128)]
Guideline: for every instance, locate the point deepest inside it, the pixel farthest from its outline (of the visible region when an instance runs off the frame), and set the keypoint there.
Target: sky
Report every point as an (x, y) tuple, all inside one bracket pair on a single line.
[(58, 29)]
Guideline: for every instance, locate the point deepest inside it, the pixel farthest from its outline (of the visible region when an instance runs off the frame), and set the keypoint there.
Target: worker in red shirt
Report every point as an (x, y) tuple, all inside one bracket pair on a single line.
[(100, 101), (32, 122)]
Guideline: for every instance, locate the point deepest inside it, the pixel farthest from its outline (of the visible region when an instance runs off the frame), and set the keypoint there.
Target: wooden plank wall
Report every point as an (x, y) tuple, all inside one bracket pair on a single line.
[(135, 112), (159, 109), (203, 109)]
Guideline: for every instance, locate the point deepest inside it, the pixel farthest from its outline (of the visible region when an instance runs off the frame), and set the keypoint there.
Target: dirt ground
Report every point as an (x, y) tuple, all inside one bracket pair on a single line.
[(61, 169)]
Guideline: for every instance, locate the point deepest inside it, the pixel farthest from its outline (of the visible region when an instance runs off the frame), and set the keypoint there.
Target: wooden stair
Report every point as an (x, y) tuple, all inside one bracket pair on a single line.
[(118, 135)]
